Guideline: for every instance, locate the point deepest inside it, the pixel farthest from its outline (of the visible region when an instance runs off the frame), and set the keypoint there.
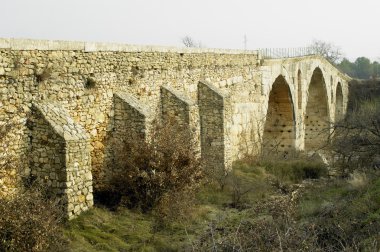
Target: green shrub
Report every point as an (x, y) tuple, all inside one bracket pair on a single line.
[(296, 170), (249, 179)]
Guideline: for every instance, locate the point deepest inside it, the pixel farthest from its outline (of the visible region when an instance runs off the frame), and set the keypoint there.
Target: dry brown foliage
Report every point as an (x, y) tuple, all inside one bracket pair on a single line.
[(356, 139), (31, 222), (269, 226), (159, 171)]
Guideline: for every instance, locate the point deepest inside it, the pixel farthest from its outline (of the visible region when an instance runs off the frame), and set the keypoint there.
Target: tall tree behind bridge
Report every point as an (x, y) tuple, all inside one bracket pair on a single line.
[(347, 67), (375, 69), (363, 68)]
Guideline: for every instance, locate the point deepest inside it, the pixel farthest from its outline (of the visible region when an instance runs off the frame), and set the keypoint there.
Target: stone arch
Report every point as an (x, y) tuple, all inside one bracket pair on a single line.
[(279, 128), (299, 88), (338, 102), (317, 112)]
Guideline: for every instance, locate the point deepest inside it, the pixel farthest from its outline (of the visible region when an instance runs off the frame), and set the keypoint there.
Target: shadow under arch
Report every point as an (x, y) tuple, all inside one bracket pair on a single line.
[(279, 129), (338, 103), (317, 112), (299, 88)]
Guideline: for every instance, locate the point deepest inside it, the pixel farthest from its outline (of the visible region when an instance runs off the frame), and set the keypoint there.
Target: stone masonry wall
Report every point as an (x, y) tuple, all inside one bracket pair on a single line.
[(13, 141), (10, 167), (83, 77)]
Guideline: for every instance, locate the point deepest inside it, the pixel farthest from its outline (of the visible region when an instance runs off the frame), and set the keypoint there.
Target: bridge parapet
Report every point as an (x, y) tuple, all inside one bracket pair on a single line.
[(282, 53)]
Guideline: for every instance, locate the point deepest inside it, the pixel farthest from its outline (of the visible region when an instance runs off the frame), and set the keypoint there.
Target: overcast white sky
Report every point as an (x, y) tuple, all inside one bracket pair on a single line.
[(353, 25)]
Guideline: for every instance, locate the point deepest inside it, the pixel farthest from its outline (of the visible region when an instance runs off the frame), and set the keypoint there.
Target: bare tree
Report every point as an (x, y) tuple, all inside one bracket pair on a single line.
[(188, 41), (328, 50), (356, 139)]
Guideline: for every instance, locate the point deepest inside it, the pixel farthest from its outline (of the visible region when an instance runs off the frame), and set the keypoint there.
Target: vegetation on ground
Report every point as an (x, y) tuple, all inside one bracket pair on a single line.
[(315, 215), (165, 203), (30, 221)]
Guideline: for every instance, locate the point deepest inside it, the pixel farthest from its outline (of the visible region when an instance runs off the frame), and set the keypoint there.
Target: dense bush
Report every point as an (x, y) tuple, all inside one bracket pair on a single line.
[(355, 142), (362, 91), (296, 170), (158, 172), (30, 222), (356, 139)]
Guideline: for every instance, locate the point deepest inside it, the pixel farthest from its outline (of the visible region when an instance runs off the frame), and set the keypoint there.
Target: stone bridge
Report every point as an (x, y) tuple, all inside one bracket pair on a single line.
[(63, 103)]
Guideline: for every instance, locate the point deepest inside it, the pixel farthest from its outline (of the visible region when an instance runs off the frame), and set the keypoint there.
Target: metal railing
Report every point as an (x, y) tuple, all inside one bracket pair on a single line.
[(279, 53)]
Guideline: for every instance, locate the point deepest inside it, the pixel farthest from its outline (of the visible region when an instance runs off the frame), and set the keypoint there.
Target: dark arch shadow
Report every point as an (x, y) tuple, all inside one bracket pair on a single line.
[(338, 103), (279, 130), (317, 113), (299, 88)]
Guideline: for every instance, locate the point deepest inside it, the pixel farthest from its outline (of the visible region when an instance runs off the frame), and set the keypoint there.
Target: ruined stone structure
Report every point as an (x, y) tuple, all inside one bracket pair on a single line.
[(67, 101)]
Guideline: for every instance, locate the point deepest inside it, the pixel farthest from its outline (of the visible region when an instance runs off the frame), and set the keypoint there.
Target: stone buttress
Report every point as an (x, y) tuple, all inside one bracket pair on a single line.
[(182, 112), (60, 157)]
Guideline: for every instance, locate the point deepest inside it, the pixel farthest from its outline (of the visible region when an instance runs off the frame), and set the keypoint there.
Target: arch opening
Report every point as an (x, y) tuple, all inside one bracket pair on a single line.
[(338, 103), (279, 129), (317, 114)]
